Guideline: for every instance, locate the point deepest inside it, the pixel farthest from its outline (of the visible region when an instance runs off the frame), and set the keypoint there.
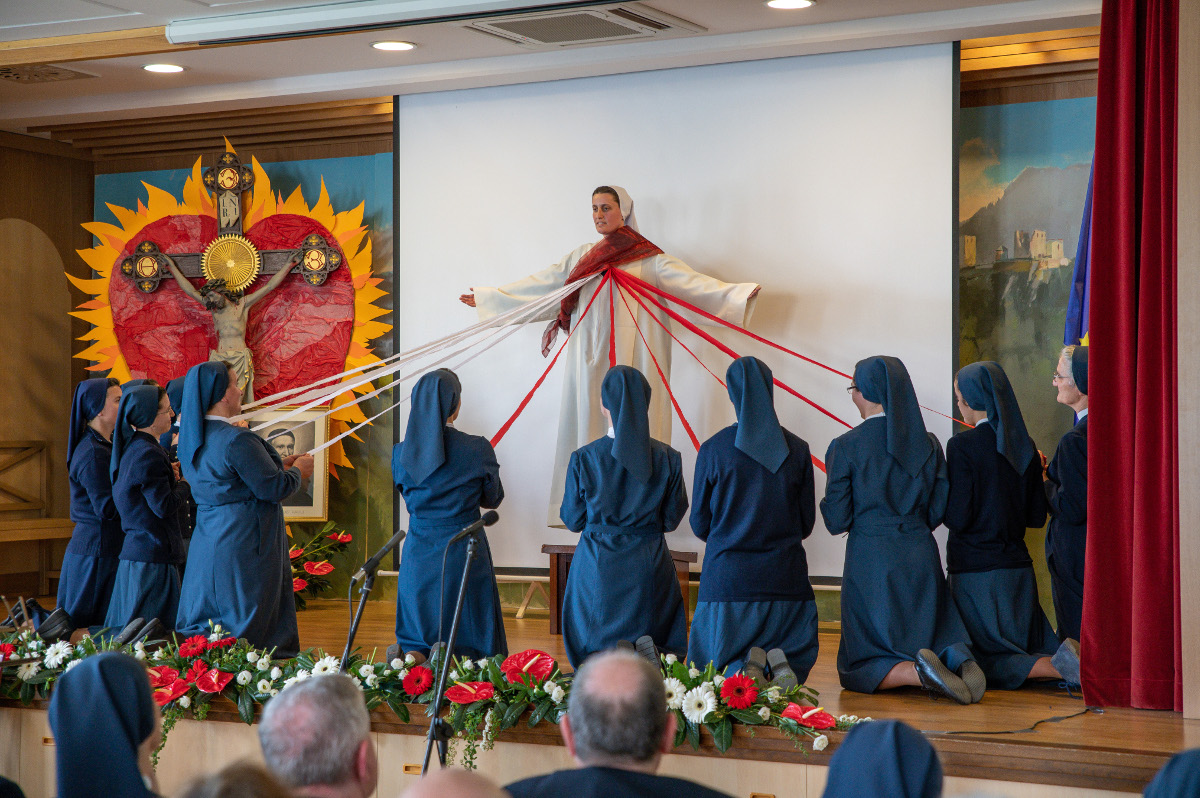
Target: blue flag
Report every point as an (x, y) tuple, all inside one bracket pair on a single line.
[(1076, 328)]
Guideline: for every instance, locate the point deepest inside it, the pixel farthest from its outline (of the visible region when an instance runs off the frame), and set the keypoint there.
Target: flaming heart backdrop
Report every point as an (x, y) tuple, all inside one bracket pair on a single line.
[(318, 323)]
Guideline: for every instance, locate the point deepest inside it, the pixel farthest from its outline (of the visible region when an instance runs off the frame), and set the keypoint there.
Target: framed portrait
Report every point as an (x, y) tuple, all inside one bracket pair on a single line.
[(297, 435)]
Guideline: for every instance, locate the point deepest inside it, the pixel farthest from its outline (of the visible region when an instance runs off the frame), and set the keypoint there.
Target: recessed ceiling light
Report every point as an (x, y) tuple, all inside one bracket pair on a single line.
[(789, 4), (393, 45), (163, 68)]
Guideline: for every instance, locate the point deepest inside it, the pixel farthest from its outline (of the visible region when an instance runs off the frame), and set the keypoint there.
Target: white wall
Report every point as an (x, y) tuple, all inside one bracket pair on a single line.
[(826, 178)]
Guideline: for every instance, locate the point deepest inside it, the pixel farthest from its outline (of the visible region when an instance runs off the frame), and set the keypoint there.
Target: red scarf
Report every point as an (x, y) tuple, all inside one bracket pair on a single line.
[(621, 246)]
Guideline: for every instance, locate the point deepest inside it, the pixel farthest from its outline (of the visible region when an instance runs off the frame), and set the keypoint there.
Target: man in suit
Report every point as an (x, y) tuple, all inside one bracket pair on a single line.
[(616, 728)]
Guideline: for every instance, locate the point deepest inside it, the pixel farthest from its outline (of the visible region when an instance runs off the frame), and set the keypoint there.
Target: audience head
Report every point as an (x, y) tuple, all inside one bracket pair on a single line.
[(1071, 377), (316, 733), (239, 780), (452, 783), (884, 757), (617, 715), (1179, 778), (105, 727)]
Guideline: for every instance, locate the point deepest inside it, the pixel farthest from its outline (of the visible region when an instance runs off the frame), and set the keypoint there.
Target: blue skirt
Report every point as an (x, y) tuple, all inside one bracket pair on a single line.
[(144, 590), (894, 603), (85, 586), (481, 627), (1009, 632), (723, 632), (621, 585)]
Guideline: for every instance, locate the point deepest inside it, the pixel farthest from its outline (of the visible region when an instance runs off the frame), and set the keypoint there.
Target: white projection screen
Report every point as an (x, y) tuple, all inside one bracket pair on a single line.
[(827, 179)]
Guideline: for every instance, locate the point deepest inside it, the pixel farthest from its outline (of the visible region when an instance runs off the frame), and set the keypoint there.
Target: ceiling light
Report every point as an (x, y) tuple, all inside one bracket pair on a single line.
[(163, 68), (393, 45), (789, 4)]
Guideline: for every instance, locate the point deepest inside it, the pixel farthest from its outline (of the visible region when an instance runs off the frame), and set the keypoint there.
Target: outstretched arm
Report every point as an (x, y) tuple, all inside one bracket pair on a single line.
[(184, 283), (271, 285)]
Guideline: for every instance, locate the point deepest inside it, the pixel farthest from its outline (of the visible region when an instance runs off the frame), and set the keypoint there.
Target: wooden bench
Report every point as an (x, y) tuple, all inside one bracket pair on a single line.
[(43, 531)]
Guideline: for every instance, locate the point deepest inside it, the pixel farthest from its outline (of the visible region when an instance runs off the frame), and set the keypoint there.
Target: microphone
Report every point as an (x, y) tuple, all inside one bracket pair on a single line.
[(489, 518), (370, 565)]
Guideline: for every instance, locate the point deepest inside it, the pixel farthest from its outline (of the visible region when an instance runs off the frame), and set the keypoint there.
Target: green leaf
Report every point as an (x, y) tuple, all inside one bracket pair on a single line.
[(747, 716), (477, 707), (305, 661), (539, 711), (722, 732), (245, 705), (28, 693), (398, 708), (512, 715), (680, 728), (693, 735), (496, 676)]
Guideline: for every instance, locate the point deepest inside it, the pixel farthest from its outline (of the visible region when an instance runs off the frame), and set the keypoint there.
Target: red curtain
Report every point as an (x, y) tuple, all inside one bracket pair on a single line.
[(1130, 639)]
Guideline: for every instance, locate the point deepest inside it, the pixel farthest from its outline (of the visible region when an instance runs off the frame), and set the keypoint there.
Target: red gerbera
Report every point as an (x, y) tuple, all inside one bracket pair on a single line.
[(298, 584), (418, 680), (470, 692), (318, 568), (812, 717), (537, 664), (224, 642), (193, 646), (294, 552), (340, 537), (163, 676), (739, 691), (214, 681), (198, 669), (168, 693)]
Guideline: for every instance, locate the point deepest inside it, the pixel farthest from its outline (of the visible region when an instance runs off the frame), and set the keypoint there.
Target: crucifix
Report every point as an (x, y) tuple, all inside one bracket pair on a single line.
[(230, 264)]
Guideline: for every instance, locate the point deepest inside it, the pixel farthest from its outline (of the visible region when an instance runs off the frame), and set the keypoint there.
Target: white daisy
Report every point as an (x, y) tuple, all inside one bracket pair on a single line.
[(263, 686), (764, 713), (300, 676), (28, 670), (693, 673), (244, 678), (325, 666), (57, 654), (820, 743), (672, 659), (252, 657), (557, 695), (72, 664), (708, 688), (675, 691), (698, 703), (184, 701), (264, 663), (275, 673)]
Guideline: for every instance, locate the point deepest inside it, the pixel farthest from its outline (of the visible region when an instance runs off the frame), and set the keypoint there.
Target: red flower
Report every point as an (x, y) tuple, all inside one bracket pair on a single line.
[(214, 681), (470, 692), (198, 669), (418, 680), (812, 717), (163, 676), (7, 650), (318, 568), (169, 692), (294, 552), (341, 537), (739, 691), (298, 584), (537, 664), (193, 646)]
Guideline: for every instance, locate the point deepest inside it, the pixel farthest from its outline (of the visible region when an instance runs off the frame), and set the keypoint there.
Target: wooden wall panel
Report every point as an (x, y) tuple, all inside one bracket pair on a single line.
[(1031, 67)]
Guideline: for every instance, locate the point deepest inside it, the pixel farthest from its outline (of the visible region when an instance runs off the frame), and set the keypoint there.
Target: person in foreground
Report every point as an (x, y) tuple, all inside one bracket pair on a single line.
[(1179, 778), (754, 506), (884, 759), (995, 494), (238, 571), (1066, 491), (445, 476), (886, 485), (453, 783), (617, 728), (239, 780), (623, 492), (315, 738), (105, 728)]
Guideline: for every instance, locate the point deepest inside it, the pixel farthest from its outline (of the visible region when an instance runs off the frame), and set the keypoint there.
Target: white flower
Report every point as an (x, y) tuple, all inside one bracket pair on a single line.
[(366, 670), (865, 720), (140, 656), (57, 654), (481, 664), (35, 645), (847, 718), (400, 674), (454, 676), (28, 670), (157, 655), (708, 688), (557, 695), (274, 692), (264, 663), (244, 678), (214, 637), (718, 679), (357, 683), (252, 657), (549, 686), (820, 743), (275, 673), (139, 646), (300, 676), (410, 660), (372, 680), (774, 694), (672, 659), (397, 663), (764, 713), (693, 673), (184, 701), (72, 664), (675, 691), (325, 666), (698, 703), (263, 686)]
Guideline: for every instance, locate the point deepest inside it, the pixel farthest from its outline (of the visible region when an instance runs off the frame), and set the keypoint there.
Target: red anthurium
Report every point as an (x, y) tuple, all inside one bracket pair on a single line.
[(298, 584), (812, 717), (418, 680), (294, 552), (193, 646), (7, 650), (739, 691), (318, 568), (169, 692), (340, 537), (470, 692), (163, 676), (198, 669), (537, 664), (214, 681)]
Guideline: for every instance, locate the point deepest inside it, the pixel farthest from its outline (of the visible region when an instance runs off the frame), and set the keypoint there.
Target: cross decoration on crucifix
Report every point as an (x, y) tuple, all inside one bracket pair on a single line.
[(231, 256)]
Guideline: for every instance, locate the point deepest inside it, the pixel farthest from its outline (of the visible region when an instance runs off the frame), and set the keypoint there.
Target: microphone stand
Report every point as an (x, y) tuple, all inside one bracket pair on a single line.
[(440, 730), (368, 585)]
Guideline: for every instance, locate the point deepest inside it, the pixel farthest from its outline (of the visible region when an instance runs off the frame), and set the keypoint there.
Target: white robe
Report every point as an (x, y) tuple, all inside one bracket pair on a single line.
[(580, 419)]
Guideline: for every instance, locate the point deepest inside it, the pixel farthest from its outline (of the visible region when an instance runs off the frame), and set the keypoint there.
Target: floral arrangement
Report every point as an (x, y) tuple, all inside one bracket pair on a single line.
[(310, 562)]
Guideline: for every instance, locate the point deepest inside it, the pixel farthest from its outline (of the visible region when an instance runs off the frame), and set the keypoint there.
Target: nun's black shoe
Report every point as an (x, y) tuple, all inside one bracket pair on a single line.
[(126, 635), (58, 626), (973, 678), (937, 678), (151, 627), (436, 654), (756, 667), (646, 648), (782, 674), (392, 652), (1066, 662)]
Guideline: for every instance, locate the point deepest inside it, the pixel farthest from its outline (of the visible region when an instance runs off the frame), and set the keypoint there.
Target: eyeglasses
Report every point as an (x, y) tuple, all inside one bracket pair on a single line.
[(1057, 376), (167, 410), (852, 388)]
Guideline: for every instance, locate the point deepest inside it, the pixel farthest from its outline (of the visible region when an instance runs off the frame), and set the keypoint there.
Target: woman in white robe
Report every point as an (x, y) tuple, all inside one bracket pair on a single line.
[(587, 357)]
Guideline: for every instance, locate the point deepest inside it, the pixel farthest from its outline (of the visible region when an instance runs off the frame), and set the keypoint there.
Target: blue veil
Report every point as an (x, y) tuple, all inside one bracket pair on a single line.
[(139, 408), (984, 386), (758, 434), (89, 399), (884, 757), (203, 386), (626, 395), (884, 380), (434, 399), (1179, 778)]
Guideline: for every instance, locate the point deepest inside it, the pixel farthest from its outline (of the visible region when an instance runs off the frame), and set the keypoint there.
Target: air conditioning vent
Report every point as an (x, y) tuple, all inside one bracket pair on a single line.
[(40, 73), (554, 30)]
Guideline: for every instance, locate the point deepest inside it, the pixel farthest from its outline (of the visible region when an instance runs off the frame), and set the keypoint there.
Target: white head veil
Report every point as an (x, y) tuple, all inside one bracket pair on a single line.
[(626, 203)]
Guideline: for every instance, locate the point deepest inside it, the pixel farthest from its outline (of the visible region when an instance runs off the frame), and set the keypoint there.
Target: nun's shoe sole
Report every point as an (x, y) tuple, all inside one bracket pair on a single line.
[(1066, 661), (126, 635), (974, 678), (151, 627), (937, 678), (646, 648), (782, 674), (756, 667), (58, 626), (392, 652)]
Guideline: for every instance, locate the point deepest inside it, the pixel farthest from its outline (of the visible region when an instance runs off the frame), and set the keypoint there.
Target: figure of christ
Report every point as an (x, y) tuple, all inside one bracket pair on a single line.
[(586, 358), (230, 313)]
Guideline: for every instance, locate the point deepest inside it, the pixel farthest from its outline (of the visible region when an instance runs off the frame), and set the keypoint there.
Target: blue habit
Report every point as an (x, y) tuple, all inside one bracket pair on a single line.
[(238, 571), (1066, 540), (150, 502), (754, 588), (447, 500), (622, 583), (90, 564), (894, 596)]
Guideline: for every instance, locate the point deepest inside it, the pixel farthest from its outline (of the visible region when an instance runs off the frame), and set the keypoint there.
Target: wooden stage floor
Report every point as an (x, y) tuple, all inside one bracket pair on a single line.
[(1002, 717)]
